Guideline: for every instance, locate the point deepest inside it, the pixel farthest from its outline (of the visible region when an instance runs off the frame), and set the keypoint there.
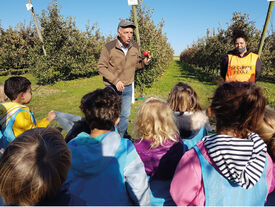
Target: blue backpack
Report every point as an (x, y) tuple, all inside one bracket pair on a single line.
[(190, 143), (221, 192), (6, 133)]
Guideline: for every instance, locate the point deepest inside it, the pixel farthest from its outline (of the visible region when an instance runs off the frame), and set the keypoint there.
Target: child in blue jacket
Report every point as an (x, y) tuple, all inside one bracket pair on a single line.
[(106, 169)]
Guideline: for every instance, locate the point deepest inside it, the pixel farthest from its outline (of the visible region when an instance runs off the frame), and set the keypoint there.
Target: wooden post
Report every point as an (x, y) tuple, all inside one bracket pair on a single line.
[(37, 28), (271, 3), (136, 23)]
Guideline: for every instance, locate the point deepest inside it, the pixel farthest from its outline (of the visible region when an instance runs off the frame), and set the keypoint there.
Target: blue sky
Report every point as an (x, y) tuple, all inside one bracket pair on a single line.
[(185, 20)]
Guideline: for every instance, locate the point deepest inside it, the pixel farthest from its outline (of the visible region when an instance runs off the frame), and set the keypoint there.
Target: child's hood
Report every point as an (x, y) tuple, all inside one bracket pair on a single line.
[(162, 160), (90, 155), (248, 154), (190, 121)]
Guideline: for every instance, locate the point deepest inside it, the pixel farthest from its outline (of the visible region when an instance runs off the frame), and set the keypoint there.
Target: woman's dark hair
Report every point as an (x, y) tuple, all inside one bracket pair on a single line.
[(239, 34)]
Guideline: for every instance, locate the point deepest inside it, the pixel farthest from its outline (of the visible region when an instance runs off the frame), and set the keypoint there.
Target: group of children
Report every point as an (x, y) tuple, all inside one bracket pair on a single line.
[(176, 160)]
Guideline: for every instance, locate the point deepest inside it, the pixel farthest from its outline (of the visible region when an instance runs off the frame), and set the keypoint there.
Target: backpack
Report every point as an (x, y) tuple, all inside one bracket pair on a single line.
[(6, 123)]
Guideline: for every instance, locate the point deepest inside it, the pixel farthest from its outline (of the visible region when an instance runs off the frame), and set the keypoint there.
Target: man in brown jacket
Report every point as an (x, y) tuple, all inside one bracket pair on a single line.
[(117, 64)]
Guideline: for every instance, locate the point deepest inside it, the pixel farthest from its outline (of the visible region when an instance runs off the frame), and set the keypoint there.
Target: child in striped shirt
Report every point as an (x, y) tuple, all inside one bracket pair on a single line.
[(231, 167)]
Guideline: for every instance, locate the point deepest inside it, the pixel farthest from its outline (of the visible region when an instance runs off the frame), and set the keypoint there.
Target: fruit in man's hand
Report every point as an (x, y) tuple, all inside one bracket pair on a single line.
[(146, 53)]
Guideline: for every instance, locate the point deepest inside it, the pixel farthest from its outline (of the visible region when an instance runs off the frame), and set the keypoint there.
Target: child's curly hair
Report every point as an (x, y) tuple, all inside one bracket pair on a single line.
[(101, 108), (238, 106)]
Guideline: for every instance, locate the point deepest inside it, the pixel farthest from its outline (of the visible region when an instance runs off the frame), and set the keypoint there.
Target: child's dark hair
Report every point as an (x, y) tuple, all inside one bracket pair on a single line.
[(238, 106), (78, 127), (34, 166), (239, 34), (101, 108), (183, 98), (15, 85)]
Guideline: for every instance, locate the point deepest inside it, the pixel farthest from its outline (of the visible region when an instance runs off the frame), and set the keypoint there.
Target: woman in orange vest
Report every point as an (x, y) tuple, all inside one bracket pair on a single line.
[(241, 64)]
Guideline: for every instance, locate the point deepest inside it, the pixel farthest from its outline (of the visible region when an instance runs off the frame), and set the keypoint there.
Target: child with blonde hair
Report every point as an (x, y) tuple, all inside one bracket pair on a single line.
[(190, 119), (266, 126), (266, 130), (160, 147), (231, 167)]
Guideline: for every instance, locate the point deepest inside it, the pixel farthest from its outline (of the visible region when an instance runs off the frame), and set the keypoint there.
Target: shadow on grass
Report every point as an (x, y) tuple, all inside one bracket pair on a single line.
[(187, 71), (267, 79)]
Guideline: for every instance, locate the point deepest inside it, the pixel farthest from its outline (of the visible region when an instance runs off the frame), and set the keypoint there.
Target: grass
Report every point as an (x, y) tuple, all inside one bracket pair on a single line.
[(65, 96), (177, 72)]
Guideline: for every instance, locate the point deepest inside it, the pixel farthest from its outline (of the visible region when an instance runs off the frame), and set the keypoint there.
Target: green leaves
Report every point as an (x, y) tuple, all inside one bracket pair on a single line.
[(152, 39), (14, 47), (71, 53)]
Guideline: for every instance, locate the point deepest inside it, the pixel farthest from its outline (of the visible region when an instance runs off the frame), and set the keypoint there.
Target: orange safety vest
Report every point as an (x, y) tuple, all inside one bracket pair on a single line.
[(241, 69)]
